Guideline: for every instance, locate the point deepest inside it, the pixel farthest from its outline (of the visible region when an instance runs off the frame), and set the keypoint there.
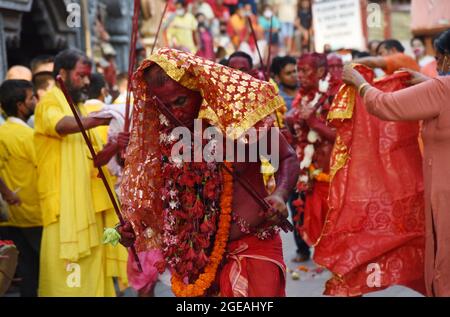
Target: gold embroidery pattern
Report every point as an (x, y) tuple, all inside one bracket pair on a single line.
[(342, 107), (233, 101)]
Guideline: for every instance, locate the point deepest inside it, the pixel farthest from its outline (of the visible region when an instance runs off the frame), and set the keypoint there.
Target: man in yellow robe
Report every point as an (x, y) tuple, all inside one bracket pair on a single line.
[(75, 205), (19, 174)]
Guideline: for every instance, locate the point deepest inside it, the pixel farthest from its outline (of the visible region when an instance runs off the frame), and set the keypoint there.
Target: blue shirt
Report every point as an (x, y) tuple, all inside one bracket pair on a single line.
[(287, 99)]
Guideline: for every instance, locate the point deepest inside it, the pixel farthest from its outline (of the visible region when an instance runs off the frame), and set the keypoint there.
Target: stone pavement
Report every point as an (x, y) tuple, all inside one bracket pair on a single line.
[(312, 284)]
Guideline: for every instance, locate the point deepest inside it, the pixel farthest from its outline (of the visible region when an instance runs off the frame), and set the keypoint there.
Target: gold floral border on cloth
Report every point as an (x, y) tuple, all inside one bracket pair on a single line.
[(341, 109), (339, 156), (343, 104), (232, 100)]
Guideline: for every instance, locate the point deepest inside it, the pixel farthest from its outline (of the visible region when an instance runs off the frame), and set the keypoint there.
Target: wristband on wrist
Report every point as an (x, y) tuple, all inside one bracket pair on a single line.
[(361, 87)]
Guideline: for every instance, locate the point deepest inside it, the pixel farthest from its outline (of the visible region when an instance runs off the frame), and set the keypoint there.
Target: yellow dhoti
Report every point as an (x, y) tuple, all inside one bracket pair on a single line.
[(86, 277)]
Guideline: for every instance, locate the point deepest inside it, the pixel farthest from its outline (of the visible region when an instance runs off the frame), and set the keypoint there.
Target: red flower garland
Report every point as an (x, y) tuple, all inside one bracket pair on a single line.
[(197, 199)]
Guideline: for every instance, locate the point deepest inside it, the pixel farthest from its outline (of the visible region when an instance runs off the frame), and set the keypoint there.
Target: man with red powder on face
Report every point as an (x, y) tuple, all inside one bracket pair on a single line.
[(242, 61), (215, 236), (313, 140), (336, 69), (74, 203)]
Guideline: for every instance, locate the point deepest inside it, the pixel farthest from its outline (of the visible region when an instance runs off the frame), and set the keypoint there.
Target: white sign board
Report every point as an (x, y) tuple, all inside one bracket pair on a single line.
[(338, 23)]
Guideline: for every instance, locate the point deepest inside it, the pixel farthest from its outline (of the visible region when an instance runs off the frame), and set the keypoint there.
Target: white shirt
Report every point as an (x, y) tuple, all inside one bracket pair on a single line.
[(18, 121), (287, 10)]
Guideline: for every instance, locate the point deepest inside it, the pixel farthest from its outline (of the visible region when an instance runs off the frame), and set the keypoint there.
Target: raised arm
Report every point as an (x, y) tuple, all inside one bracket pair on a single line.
[(68, 124), (372, 62), (421, 102)]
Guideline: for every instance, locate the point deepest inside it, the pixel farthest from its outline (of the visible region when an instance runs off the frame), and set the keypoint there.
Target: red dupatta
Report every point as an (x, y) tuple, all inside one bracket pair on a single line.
[(376, 218)]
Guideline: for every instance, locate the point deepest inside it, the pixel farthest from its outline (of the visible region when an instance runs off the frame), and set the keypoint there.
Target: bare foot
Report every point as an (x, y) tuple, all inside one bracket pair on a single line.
[(300, 258)]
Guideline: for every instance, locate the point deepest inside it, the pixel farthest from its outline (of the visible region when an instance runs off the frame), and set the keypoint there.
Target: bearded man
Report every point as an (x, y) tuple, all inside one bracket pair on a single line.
[(75, 205)]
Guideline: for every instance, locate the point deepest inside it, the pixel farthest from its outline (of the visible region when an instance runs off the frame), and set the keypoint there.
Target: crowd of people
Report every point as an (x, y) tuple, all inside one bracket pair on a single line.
[(351, 142), (215, 29)]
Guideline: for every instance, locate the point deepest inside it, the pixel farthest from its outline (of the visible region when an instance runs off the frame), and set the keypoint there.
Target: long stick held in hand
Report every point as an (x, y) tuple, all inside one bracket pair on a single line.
[(269, 55), (94, 156), (265, 72)]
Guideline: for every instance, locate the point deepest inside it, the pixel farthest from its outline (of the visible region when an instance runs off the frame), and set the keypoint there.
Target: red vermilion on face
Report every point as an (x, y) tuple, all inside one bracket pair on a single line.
[(80, 75), (183, 102), (240, 63), (335, 67), (307, 76)]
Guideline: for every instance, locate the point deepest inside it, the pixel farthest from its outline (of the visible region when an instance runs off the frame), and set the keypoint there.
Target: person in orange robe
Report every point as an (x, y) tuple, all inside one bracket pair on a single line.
[(391, 58)]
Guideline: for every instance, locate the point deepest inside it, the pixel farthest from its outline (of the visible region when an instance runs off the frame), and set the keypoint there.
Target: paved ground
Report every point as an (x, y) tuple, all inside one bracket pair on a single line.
[(310, 284)]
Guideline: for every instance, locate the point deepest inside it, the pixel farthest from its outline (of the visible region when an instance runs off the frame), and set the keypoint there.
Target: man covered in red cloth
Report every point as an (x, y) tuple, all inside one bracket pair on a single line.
[(314, 141), (374, 231), (215, 237)]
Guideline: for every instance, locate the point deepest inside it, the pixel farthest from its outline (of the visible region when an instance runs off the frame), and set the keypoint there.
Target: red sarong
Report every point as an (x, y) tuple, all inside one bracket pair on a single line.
[(316, 209), (254, 268), (374, 233)]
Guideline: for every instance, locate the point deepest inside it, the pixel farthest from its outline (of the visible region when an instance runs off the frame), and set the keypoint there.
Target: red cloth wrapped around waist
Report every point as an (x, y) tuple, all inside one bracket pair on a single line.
[(316, 209), (251, 268)]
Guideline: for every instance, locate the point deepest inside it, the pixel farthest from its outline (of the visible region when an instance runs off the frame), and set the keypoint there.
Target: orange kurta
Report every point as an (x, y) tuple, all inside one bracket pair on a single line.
[(400, 60)]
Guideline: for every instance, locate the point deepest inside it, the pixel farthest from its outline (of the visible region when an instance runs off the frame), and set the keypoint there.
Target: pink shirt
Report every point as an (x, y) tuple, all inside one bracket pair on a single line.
[(430, 102)]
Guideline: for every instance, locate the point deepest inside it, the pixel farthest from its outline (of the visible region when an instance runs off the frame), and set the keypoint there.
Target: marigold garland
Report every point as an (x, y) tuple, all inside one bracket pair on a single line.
[(318, 175), (205, 280)]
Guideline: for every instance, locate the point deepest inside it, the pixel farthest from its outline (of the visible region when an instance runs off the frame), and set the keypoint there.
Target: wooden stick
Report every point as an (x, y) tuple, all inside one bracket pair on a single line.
[(257, 47), (285, 225), (267, 76), (132, 61), (269, 54), (159, 27), (94, 156)]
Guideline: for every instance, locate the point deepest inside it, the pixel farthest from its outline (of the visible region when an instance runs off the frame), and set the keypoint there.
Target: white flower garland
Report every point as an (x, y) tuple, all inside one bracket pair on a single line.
[(313, 136)]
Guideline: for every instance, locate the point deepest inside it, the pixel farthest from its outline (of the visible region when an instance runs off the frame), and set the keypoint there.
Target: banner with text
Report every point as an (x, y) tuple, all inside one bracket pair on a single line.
[(338, 23)]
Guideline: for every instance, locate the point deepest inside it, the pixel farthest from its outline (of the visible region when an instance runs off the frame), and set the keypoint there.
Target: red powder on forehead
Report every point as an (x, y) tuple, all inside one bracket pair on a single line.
[(313, 59), (334, 60), (84, 69)]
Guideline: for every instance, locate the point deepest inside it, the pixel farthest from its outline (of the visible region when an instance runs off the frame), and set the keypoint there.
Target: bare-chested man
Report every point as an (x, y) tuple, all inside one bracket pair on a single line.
[(252, 264)]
